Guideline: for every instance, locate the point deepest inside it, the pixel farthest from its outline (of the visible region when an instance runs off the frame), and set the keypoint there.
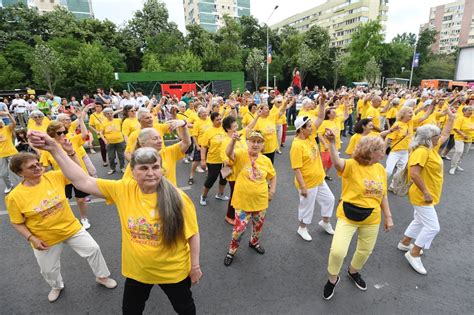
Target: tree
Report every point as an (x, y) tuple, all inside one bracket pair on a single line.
[(10, 78), (318, 39), (47, 67), (438, 66), (254, 65), (372, 71), (18, 55), (405, 38), (151, 63), (186, 62), (307, 61), (229, 47), (338, 62)]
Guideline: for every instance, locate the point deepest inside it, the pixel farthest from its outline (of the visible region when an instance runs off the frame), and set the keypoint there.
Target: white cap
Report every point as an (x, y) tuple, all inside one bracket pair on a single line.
[(301, 121)]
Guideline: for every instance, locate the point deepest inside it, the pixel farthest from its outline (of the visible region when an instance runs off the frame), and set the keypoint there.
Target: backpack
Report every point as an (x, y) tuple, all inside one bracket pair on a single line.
[(400, 182)]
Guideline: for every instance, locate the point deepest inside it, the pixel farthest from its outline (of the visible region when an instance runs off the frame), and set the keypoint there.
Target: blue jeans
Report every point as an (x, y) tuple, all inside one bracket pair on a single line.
[(348, 124), (291, 115)]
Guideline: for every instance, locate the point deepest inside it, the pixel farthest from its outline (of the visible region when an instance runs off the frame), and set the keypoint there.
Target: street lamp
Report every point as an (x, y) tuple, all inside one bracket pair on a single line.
[(266, 54)]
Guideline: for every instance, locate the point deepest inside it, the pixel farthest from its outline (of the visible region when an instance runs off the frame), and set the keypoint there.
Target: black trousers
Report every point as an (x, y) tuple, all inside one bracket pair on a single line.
[(214, 171), (271, 156), (137, 293)]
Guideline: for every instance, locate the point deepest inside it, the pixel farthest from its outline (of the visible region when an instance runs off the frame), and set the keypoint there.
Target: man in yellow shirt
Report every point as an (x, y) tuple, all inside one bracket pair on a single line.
[(463, 137), (7, 150)]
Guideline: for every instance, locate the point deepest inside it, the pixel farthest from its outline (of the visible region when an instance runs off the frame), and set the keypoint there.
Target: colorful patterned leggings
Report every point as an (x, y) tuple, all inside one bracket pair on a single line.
[(242, 218)]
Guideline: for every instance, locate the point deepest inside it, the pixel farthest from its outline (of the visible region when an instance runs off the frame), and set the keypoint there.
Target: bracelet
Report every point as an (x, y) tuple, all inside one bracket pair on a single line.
[(29, 236), (195, 266), (72, 154)]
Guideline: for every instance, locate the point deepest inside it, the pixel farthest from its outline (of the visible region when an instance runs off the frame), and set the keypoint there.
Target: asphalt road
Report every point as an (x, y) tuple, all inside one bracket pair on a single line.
[(288, 279)]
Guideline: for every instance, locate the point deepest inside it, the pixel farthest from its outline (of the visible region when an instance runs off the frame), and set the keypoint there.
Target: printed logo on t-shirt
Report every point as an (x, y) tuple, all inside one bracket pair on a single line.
[(254, 174), (49, 207), (2, 138), (142, 232), (373, 188)]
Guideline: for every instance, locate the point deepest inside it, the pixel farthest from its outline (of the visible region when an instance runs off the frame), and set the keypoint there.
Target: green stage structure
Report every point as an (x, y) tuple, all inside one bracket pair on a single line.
[(236, 78)]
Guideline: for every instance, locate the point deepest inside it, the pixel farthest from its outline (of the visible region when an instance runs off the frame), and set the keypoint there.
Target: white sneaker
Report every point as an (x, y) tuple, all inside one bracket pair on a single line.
[(186, 161), (107, 282), (85, 223), (303, 232), (54, 294), (327, 227), (406, 248), (416, 263), (222, 197), (452, 171), (459, 168), (93, 151), (202, 201), (199, 169), (7, 190)]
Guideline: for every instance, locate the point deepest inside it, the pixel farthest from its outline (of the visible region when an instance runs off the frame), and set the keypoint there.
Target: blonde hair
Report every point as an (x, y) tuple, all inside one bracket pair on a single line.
[(169, 201), (365, 147), (403, 112), (53, 127)]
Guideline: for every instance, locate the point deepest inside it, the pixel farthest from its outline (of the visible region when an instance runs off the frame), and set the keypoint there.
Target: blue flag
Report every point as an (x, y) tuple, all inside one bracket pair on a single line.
[(416, 60)]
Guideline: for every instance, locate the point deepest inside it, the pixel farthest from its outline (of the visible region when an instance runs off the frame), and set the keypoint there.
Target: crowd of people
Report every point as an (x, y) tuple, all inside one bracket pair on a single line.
[(235, 140)]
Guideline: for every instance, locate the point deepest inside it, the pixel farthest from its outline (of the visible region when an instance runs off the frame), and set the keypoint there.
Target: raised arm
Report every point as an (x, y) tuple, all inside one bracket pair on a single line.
[(71, 170), (447, 127), (321, 109), (229, 151), (339, 163)]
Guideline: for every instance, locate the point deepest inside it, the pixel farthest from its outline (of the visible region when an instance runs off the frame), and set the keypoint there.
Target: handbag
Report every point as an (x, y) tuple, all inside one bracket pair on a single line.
[(389, 149), (356, 213), (226, 171)]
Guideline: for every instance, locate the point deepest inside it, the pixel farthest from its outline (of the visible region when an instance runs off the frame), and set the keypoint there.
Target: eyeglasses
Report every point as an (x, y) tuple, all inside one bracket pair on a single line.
[(59, 133), (34, 166), (34, 117)]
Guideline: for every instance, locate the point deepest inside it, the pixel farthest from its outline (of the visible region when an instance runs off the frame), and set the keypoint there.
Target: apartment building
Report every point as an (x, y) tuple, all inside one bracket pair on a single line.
[(80, 8), (340, 17), (210, 13), (454, 24)]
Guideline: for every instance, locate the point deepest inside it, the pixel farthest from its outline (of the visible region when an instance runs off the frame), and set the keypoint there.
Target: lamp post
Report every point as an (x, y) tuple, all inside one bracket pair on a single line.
[(268, 41), (412, 65)]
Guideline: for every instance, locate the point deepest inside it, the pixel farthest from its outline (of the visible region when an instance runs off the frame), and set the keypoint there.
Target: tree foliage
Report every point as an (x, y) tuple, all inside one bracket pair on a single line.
[(47, 67), (255, 64)]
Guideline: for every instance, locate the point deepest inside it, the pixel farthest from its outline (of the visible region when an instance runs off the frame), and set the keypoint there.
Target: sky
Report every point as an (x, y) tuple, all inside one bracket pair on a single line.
[(403, 15)]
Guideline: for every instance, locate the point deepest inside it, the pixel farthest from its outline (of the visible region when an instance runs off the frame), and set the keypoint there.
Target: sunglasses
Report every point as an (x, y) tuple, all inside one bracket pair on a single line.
[(59, 133), (34, 117)]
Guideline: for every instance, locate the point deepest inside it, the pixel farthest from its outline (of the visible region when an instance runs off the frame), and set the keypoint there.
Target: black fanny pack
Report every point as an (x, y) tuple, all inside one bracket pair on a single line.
[(356, 213)]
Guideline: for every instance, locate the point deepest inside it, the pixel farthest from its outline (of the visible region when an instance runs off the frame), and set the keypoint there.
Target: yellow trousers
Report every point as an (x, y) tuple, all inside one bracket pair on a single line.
[(366, 238)]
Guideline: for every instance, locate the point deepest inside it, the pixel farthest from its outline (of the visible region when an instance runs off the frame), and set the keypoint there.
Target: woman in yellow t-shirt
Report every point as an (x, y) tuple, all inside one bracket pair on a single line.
[(130, 122), (95, 123), (7, 150), (211, 157), (363, 199), (249, 116), (309, 177), (230, 127), (38, 121), (463, 137), (199, 128), (111, 134), (40, 212), (160, 236), (364, 127), (426, 173), (255, 185)]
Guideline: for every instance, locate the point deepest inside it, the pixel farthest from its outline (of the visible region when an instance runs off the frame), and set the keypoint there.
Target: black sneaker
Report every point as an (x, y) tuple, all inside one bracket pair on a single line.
[(359, 282), (329, 289), (228, 259)]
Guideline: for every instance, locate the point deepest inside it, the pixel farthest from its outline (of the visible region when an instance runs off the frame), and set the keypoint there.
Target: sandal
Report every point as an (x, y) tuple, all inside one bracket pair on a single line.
[(190, 181), (258, 248), (228, 259)]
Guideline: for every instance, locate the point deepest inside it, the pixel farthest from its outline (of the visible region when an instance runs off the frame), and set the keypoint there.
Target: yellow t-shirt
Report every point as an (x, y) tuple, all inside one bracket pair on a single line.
[(76, 139), (276, 111), (334, 125), (267, 126), (251, 188), (44, 125), (212, 140), (355, 139), (112, 130), (305, 156), (44, 209), (243, 110), (382, 105), (362, 107), (431, 174), (239, 145), (46, 159), (248, 118), (169, 157), (144, 256), (133, 139), (6, 142), (190, 116), (96, 119), (200, 127), (129, 125), (406, 131), (374, 113), (363, 186), (431, 120), (465, 125)]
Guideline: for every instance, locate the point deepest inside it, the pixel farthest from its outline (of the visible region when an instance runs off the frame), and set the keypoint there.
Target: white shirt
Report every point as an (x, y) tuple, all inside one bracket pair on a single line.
[(124, 102), (142, 100), (19, 105)]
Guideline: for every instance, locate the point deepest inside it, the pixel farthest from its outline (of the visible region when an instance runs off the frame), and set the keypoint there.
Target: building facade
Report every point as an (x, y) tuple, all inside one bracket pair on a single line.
[(80, 8), (210, 13), (340, 17), (454, 24)]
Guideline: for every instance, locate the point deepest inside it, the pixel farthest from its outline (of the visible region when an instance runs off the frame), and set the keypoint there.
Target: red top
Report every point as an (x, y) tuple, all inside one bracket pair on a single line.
[(297, 80)]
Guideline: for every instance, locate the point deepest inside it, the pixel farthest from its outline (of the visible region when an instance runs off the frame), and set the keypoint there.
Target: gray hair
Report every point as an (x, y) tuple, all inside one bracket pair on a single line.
[(181, 104), (201, 110), (169, 201), (142, 111), (424, 135), (62, 117), (396, 101), (107, 110), (467, 108), (410, 103), (144, 135), (37, 112), (305, 101)]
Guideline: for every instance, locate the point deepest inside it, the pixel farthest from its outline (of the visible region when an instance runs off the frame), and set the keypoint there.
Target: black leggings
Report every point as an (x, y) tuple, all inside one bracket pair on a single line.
[(137, 293), (214, 171), (103, 150)]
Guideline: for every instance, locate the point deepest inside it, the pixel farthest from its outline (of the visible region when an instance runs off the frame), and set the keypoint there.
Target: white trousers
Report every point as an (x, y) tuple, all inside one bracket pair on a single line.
[(396, 158), (460, 150), (424, 226), (9, 178), (84, 245), (279, 131), (90, 166), (323, 195)]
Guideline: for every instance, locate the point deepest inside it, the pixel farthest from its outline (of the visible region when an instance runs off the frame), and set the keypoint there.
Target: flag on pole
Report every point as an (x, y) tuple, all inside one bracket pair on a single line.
[(269, 54), (416, 60)]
